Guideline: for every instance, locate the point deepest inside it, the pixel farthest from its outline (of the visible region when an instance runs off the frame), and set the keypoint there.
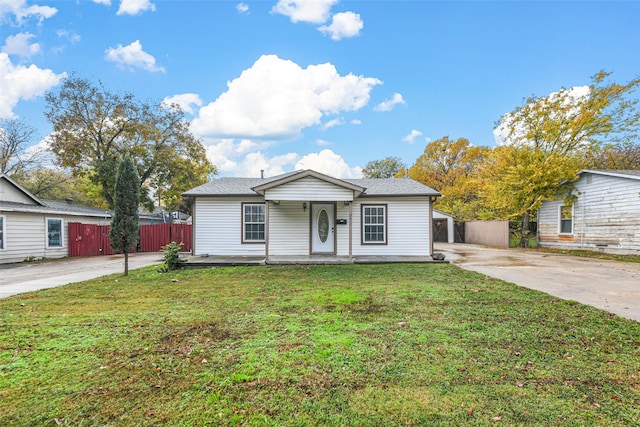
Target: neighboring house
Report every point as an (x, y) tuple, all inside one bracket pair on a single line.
[(160, 216), (308, 215), (34, 228), (443, 227), (605, 216)]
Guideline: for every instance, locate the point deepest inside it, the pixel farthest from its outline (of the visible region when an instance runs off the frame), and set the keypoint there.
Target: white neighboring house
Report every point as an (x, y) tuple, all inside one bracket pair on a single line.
[(605, 217), (34, 228), (307, 214), (443, 227)]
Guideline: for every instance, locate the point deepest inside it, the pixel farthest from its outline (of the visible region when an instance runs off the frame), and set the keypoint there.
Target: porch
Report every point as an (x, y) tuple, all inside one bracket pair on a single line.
[(221, 261)]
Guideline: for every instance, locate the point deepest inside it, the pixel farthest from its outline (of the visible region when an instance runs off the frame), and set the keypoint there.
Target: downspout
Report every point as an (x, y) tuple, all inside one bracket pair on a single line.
[(431, 200), (266, 232), (350, 232)]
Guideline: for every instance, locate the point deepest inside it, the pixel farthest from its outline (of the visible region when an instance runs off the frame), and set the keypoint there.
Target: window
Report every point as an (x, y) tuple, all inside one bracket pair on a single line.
[(374, 224), (54, 232), (566, 222), (3, 232), (253, 223)]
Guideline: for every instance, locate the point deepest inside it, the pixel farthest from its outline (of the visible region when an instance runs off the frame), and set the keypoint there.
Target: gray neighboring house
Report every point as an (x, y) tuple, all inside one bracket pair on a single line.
[(605, 217), (34, 228), (309, 215)]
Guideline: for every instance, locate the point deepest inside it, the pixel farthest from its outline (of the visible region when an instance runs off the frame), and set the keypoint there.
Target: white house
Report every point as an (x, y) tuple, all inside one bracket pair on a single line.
[(605, 216), (33, 228), (309, 215)]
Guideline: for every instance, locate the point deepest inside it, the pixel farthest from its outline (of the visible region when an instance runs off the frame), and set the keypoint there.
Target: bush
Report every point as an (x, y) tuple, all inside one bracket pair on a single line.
[(171, 257)]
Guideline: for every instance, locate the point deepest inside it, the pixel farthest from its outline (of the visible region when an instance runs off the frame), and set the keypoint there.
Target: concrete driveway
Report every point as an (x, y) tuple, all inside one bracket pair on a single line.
[(613, 286), (26, 277)]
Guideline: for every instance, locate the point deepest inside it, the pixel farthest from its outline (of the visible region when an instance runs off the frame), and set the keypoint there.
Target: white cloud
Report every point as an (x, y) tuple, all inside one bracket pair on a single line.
[(18, 82), (20, 45), (356, 122), (186, 101), (572, 96), (135, 7), (132, 56), (313, 11), (323, 143), (104, 2), (332, 123), (330, 163), (389, 104), (229, 156), (242, 8), (411, 138), (276, 98), (20, 10), (69, 35), (343, 25)]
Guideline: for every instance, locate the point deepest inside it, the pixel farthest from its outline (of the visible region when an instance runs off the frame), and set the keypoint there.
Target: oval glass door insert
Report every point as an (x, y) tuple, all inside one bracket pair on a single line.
[(323, 225)]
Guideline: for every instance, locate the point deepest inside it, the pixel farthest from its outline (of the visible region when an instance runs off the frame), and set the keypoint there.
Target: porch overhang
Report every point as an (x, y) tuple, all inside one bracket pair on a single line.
[(278, 190)]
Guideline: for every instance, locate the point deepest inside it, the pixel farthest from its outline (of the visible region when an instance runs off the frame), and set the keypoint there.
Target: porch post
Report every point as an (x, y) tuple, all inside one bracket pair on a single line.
[(266, 231), (350, 232)]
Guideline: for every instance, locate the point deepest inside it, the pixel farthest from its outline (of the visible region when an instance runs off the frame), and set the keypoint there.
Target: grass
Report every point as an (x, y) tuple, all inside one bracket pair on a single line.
[(352, 345)]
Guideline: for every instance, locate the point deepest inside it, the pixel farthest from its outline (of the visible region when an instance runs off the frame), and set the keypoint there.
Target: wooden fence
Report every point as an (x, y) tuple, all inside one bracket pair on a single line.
[(93, 240)]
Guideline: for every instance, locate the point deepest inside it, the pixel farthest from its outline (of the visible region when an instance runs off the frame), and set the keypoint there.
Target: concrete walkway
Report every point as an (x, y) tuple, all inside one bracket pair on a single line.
[(613, 286), (27, 277)]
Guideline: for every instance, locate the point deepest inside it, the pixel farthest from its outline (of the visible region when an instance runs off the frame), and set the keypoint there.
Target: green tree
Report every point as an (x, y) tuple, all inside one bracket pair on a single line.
[(385, 168), (124, 224), (94, 128), (548, 139), (450, 166)]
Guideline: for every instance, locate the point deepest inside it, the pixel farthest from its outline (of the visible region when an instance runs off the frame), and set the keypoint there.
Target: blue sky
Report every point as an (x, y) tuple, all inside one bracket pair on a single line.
[(321, 84)]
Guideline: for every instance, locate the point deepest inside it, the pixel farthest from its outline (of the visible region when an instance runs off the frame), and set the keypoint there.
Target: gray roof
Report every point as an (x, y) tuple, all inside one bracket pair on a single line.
[(54, 207), (228, 186), (625, 173)]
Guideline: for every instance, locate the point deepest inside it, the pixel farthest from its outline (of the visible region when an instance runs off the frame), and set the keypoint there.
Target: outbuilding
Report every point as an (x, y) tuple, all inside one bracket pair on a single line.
[(605, 216), (307, 216), (31, 228)]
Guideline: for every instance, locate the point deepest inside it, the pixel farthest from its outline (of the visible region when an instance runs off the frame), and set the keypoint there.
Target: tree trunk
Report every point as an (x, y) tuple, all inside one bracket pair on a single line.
[(524, 231), (126, 263)]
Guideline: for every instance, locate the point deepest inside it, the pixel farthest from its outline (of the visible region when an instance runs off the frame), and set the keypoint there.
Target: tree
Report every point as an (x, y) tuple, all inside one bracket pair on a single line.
[(58, 184), (450, 166), (625, 155), (94, 128), (385, 168), (124, 224), (547, 139), (16, 155)]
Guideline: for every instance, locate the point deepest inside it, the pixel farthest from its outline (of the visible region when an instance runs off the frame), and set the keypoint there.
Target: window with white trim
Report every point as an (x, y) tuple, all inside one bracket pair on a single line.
[(374, 224), (3, 233), (565, 222), (253, 222), (54, 233)]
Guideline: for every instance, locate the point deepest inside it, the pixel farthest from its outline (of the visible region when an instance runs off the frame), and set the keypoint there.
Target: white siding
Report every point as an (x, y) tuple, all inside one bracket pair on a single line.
[(9, 193), (408, 228), (606, 216), (309, 189), (218, 227), (289, 229), (26, 235)]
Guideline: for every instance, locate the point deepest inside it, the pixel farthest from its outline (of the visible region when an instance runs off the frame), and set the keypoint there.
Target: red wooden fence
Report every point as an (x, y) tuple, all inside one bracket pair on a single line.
[(92, 239), (153, 237), (89, 239)]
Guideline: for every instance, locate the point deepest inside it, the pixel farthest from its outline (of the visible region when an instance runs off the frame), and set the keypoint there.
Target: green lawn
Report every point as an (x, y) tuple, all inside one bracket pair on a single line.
[(352, 345)]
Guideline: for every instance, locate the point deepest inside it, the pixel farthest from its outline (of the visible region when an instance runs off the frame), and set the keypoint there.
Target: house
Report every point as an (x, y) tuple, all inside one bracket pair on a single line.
[(311, 217), (443, 227), (31, 228), (605, 216)]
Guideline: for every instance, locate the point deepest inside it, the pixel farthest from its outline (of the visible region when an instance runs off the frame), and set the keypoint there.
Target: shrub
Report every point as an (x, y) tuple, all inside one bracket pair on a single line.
[(171, 257)]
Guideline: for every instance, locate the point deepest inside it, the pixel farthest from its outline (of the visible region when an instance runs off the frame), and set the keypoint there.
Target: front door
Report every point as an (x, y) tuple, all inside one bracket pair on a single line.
[(323, 228)]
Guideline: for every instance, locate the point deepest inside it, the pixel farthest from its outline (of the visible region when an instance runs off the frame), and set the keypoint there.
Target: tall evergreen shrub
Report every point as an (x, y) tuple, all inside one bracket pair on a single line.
[(124, 225)]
